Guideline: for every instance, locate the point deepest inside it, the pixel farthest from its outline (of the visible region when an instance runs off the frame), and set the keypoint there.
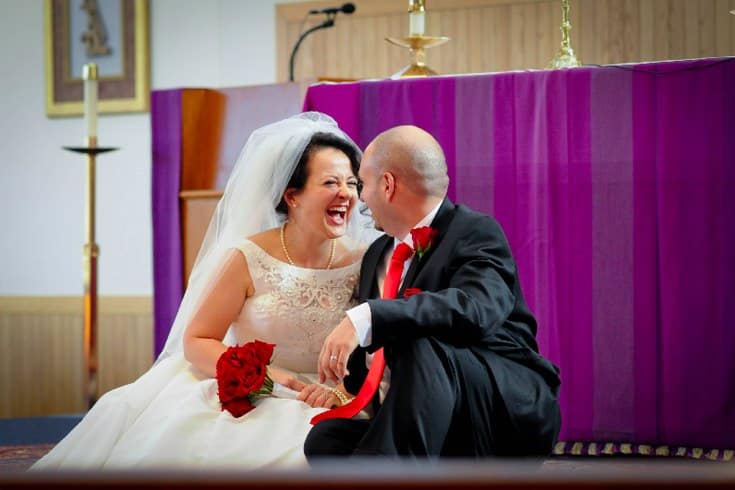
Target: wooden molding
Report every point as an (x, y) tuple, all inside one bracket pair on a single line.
[(201, 194), (73, 304)]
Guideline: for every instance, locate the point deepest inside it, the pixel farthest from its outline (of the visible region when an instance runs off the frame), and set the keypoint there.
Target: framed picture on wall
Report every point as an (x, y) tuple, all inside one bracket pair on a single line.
[(111, 33)]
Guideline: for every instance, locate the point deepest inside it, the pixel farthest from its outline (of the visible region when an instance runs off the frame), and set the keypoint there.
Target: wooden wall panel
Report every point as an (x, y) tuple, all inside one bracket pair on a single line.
[(502, 35), (41, 363)]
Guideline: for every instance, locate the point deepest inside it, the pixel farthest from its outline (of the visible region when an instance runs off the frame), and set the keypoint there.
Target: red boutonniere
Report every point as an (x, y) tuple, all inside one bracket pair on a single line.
[(423, 239), (242, 376), (410, 292)]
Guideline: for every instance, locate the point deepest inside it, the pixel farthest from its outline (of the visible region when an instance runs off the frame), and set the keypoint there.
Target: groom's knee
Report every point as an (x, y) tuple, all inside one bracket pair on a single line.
[(421, 359)]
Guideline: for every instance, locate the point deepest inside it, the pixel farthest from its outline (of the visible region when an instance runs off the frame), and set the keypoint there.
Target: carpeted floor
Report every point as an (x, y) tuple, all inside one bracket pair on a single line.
[(20, 458), (24, 440)]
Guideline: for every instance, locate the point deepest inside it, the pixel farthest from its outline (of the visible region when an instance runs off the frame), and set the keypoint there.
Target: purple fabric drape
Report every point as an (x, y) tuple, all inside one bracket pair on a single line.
[(167, 270), (611, 184)]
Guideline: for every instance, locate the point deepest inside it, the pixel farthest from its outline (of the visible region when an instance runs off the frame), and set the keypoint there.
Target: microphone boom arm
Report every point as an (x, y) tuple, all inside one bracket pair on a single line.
[(324, 25)]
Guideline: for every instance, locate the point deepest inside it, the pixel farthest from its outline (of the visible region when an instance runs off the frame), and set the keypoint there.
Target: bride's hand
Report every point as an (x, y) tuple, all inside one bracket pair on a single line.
[(317, 396), (286, 379)]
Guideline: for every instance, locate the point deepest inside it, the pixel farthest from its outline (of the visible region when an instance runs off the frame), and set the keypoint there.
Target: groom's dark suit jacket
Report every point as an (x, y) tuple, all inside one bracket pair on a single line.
[(470, 298)]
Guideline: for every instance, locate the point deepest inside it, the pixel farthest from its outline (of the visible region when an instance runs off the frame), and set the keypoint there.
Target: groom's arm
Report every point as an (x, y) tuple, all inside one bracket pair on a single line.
[(473, 296)]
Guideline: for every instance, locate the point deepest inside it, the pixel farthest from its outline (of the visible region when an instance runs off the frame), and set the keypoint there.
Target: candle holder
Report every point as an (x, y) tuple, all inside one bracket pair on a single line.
[(565, 57), (90, 253), (416, 45), (416, 42)]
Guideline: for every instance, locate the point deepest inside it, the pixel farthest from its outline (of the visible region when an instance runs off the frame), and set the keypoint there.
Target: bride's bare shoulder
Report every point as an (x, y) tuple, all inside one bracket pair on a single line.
[(268, 240)]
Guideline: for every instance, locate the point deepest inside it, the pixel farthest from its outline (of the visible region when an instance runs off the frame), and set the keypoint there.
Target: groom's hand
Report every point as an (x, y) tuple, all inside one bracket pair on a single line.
[(336, 351)]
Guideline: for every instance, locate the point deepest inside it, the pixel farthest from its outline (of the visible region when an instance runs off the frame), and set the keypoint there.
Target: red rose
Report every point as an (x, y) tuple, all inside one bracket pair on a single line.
[(229, 380), (263, 350), (229, 385), (252, 374), (410, 292), (423, 238), (230, 359), (238, 407)]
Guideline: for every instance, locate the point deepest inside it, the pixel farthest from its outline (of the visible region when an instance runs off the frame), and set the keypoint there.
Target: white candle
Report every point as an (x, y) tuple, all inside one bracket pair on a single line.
[(416, 23), (89, 74)]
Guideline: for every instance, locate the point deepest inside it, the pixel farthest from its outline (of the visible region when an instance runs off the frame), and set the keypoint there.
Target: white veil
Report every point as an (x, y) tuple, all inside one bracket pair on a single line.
[(254, 189)]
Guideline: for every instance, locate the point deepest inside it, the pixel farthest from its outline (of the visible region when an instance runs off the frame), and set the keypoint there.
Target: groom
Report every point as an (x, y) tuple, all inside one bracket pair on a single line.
[(463, 376)]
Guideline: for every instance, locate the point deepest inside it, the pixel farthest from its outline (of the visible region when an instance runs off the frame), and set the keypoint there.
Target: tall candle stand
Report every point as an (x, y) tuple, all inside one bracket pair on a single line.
[(416, 42), (90, 251)]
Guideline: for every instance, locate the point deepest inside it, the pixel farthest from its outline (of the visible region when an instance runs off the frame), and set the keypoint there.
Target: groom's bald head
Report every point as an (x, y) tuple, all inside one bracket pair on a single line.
[(404, 177), (415, 157)]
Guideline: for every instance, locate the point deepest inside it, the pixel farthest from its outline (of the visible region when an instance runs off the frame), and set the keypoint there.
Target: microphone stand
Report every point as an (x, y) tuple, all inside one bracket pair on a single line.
[(327, 23)]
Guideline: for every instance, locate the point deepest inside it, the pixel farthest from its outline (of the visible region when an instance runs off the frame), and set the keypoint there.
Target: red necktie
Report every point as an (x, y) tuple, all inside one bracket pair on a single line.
[(375, 374)]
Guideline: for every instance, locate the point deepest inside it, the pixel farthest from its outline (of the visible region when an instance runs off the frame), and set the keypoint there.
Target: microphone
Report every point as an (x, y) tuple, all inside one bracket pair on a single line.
[(331, 12), (347, 8)]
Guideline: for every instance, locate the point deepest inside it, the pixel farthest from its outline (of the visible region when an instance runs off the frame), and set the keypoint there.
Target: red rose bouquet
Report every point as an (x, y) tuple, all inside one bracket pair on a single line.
[(423, 239), (242, 376)]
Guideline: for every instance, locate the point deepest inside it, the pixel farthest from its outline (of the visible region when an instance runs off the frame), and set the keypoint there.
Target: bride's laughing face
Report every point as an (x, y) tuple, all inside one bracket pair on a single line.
[(328, 195)]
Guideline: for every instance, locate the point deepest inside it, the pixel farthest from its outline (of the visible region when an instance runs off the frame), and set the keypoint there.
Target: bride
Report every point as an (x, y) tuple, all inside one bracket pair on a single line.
[(292, 193)]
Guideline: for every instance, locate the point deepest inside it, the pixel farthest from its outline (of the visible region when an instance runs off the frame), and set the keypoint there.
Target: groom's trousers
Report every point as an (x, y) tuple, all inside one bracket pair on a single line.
[(444, 400)]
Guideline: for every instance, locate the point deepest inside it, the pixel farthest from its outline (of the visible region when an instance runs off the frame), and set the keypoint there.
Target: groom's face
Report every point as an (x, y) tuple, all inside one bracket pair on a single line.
[(370, 194)]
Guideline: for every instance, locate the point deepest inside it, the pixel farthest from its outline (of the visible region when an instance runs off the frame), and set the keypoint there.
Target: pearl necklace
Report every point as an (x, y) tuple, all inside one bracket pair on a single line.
[(288, 257)]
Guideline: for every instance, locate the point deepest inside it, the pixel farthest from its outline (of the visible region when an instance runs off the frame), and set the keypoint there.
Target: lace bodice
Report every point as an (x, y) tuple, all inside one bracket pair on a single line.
[(293, 307)]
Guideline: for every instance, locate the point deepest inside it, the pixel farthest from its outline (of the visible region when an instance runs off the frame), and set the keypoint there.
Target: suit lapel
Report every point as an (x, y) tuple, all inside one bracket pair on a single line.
[(440, 224)]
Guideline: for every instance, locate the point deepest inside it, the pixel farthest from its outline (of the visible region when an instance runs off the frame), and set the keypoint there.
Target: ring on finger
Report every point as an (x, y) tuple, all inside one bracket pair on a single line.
[(333, 357)]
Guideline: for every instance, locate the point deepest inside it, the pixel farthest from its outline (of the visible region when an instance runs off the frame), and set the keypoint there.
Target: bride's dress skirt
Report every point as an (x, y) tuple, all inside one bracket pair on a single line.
[(171, 417)]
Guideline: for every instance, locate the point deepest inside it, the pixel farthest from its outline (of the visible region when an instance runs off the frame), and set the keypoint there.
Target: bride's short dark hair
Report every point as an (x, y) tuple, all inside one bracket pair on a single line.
[(318, 142)]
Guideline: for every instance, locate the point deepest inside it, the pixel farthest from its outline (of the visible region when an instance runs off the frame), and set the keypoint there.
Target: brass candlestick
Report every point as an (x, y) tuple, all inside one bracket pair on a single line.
[(90, 253), (416, 46), (416, 42), (565, 57)]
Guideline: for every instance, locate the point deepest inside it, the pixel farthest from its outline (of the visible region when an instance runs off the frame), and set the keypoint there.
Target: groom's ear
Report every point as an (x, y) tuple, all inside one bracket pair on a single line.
[(388, 185)]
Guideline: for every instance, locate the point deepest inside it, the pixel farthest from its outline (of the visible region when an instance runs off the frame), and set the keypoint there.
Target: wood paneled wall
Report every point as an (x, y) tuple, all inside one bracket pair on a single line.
[(501, 35), (41, 363)]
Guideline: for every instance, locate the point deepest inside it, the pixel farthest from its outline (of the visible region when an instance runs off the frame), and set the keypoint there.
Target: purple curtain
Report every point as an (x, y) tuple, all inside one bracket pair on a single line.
[(167, 269), (611, 184)]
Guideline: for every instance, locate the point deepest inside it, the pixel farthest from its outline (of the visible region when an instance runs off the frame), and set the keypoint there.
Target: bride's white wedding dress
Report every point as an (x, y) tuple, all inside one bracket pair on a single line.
[(171, 416)]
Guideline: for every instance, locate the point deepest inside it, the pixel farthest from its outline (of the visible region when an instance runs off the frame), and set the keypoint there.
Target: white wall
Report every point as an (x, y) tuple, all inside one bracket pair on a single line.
[(193, 43)]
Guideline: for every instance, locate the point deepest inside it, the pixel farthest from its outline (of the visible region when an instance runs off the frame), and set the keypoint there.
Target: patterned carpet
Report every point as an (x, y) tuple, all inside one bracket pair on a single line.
[(20, 458)]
